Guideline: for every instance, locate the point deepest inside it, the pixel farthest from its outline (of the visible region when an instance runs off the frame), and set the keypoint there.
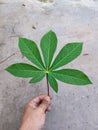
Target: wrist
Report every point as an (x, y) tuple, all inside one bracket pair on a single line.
[(28, 126)]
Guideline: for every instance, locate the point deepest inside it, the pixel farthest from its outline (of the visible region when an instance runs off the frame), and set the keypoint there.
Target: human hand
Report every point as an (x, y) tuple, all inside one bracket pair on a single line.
[(35, 113)]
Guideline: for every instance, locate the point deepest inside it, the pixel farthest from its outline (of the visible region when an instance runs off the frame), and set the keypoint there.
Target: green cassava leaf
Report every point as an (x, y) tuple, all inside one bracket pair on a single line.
[(71, 76), (53, 83), (48, 46), (30, 50), (23, 70), (37, 77), (68, 53)]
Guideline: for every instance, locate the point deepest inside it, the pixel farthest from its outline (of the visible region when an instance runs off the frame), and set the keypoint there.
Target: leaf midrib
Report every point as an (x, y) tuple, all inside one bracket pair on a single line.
[(29, 70), (48, 62), (64, 57), (69, 76), (31, 56), (41, 74)]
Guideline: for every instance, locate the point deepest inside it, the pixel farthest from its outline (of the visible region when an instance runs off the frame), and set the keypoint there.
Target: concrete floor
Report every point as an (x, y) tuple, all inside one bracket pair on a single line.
[(74, 107)]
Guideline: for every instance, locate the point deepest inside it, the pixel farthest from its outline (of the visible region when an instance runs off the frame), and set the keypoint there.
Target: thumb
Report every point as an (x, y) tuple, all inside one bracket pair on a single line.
[(45, 103)]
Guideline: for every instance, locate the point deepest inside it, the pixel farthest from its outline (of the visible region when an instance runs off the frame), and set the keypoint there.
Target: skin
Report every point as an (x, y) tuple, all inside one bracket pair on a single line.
[(35, 113)]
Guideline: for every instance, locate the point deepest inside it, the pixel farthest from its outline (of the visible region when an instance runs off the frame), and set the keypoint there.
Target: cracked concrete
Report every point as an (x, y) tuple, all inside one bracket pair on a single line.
[(73, 108)]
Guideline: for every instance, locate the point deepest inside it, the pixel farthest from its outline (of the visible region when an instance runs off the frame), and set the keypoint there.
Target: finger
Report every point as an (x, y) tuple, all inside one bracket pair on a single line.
[(48, 109), (33, 102), (45, 104), (43, 96), (37, 100), (50, 96)]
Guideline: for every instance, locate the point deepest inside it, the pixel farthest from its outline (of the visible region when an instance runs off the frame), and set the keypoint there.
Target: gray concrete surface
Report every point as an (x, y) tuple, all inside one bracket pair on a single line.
[(74, 107)]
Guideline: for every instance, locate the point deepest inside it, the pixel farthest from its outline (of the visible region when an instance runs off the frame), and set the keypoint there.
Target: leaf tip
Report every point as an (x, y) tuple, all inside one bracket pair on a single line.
[(30, 82), (56, 91), (81, 43), (19, 39), (52, 32), (6, 69), (90, 82)]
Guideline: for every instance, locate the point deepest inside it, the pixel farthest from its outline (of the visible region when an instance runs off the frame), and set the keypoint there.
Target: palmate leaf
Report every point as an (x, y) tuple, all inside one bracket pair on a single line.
[(30, 50), (23, 70), (71, 76), (68, 53), (37, 77), (53, 83), (48, 46)]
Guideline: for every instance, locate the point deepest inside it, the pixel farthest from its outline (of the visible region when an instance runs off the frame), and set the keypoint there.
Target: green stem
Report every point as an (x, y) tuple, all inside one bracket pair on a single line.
[(47, 84)]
